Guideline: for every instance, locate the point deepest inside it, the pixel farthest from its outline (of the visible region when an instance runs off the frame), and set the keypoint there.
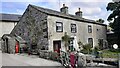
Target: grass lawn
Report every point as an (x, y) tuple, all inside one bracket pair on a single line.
[(110, 53)]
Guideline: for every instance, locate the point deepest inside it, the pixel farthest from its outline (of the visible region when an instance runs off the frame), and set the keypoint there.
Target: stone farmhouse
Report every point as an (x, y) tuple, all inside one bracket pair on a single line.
[(43, 28)]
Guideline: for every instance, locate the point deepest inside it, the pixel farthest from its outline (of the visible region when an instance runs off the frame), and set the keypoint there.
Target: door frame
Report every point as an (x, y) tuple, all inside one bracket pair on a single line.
[(59, 45)]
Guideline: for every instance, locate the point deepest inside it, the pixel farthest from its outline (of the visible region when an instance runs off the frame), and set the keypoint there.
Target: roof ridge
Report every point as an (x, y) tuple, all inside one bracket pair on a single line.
[(57, 13), (10, 14), (9, 17)]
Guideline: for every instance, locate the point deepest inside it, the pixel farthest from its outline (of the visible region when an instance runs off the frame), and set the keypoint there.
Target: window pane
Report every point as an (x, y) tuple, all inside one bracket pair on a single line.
[(59, 24), (73, 28), (89, 29), (59, 27), (90, 41)]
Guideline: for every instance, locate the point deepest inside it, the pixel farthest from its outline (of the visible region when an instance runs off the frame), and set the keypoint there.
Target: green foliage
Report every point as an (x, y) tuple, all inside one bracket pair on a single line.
[(95, 51), (96, 48), (86, 48), (115, 17), (100, 21), (54, 56), (109, 54), (66, 39), (115, 50), (111, 6), (86, 52)]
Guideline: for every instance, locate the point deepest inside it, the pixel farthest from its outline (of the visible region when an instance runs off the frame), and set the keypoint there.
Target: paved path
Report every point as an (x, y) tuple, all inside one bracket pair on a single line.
[(10, 60), (25, 60)]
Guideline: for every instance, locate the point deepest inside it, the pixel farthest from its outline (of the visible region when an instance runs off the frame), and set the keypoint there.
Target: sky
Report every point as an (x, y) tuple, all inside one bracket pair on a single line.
[(92, 9)]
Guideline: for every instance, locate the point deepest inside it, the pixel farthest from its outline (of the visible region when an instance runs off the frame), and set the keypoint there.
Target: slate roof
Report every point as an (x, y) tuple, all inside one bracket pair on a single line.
[(67, 16), (9, 17)]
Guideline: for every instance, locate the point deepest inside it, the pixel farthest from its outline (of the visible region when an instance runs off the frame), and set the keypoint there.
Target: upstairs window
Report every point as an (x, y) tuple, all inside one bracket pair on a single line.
[(59, 27), (73, 28), (89, 29)]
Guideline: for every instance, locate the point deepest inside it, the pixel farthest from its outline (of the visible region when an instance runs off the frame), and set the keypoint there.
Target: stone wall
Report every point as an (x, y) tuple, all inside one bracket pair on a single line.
[(8, 45), (11, 44), (32, 27)]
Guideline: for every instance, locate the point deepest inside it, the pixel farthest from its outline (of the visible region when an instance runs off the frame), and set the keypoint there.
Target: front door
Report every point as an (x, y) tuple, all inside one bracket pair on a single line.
[(57, 45)]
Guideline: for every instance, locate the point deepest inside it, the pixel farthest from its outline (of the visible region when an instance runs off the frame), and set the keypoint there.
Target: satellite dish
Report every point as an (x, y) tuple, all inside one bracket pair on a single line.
[(115, 46)]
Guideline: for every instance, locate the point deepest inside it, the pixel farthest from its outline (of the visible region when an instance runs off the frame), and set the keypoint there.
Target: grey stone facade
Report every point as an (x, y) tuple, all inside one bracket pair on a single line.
[(32, 27), (38, 27)]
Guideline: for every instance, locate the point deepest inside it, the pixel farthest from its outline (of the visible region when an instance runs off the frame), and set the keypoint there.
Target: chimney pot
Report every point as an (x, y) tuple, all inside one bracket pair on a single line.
[(63, 5), (79, 13), (79, 9), (64, 9)]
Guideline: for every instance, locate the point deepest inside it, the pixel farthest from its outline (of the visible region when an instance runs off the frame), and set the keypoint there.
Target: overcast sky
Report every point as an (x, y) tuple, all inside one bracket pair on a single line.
[(92, 9)]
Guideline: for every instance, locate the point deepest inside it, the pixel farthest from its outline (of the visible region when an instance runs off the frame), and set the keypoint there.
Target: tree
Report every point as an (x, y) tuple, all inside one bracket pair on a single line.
[(87, 47), (114, 19), (66, 39), (100, 20)]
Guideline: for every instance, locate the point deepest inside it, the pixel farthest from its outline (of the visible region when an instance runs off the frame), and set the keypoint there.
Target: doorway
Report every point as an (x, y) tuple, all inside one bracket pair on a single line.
[(57, 46)]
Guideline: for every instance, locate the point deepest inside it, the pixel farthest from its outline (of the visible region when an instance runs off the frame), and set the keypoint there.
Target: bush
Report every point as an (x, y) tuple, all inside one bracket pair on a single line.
[(54, 56), (115, 50), (86, 49), (110, 53)]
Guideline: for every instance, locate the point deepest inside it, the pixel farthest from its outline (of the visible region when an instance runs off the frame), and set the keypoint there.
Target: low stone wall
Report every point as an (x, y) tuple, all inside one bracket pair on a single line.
[(48, 55)]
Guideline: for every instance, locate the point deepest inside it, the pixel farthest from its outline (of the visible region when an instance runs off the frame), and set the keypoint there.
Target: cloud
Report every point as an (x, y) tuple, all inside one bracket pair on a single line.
[(92, 9), (19, 11)]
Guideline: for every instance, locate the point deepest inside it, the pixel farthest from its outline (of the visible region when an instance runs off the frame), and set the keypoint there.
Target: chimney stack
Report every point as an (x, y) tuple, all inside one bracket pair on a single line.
[(64, 9), (79, 13)]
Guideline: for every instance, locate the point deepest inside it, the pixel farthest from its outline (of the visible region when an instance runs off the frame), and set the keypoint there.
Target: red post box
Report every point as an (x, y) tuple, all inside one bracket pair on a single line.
[(17, 47)]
